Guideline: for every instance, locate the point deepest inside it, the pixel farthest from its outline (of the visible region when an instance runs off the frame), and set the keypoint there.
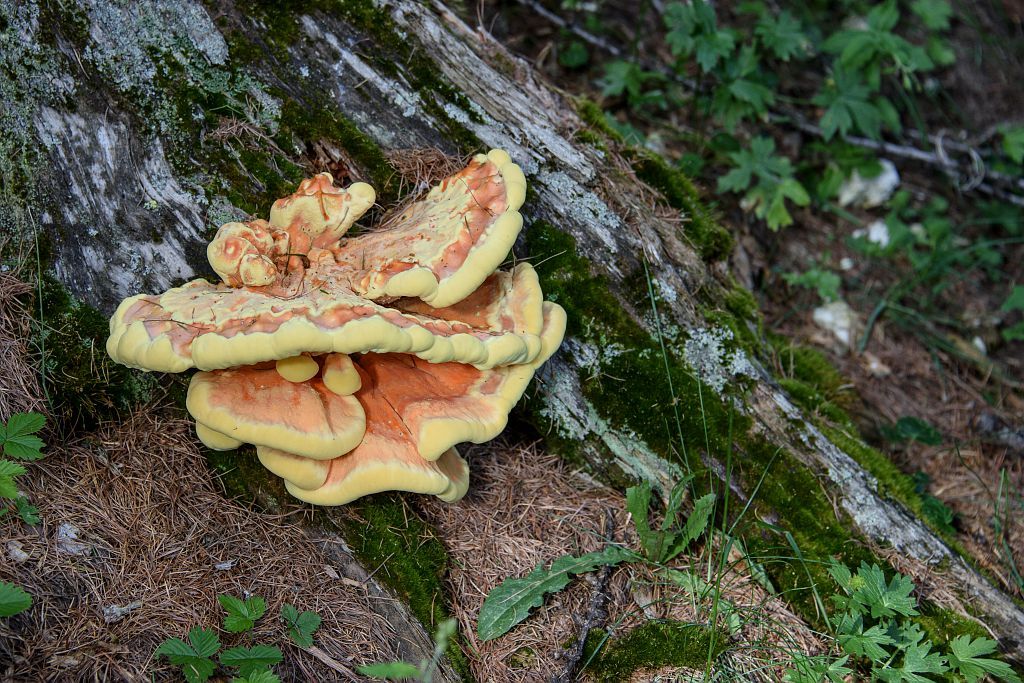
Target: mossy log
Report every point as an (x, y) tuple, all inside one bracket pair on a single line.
[(130, 132)]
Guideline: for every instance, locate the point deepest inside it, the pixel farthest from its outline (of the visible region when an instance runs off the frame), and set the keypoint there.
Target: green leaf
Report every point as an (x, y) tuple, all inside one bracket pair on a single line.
[(713, 47), (870, 643), (885, 599), (18, 437), (847, 104), (242, 615), (574, 55), (696, 524), (1014, 302), (782, 35), (884, 17), (935, 14), (264, 676), (638, 502), (13, 599), (966, 657), (917, 659), (511, 602), (8, 471), (391, 671), (28, 512), (824, 282), (1013, 143), (1014, 332), (909, 428), (250, 659), (193, 657), (301, 626)]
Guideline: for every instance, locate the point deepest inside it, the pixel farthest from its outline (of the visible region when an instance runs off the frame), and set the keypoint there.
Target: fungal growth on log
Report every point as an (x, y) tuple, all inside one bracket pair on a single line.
[(356, 364)]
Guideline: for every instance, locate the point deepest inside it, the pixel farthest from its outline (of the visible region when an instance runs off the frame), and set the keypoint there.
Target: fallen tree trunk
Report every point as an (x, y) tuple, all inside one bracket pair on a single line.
[(131, 133)]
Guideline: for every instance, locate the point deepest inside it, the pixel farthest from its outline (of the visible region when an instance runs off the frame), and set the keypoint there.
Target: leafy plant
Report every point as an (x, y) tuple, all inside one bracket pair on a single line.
[(424, 672), (301, 625), (664, 544), (19, 441), (252, 663), (775, 182), (876, 635), (909, 428), (13, 599), (1014, 302), (824, 282), (242, 615), (511, 602)]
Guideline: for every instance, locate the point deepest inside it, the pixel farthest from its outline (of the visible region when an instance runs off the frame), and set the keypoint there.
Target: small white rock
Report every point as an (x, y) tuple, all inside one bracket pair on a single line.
[(839, 319), (15, 551), (870, 192), (225, 565), (875, 366), (846, 263), (67, 540), (876, 233), (979, 344), (112, 613)]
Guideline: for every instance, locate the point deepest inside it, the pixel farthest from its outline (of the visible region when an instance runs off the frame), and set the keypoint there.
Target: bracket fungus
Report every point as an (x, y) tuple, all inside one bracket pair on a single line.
[(356, 364)]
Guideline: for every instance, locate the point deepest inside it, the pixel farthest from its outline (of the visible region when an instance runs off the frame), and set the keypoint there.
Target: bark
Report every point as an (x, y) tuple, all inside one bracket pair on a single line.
[(126, 204)]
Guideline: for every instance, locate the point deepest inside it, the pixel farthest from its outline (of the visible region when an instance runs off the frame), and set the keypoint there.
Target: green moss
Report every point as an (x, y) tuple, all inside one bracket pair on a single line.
[(712, 241), (653, 645), (81, 381), (593, 116)]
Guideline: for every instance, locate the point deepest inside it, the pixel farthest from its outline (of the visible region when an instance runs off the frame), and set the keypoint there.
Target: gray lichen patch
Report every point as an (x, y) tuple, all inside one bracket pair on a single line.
[(707, 352)]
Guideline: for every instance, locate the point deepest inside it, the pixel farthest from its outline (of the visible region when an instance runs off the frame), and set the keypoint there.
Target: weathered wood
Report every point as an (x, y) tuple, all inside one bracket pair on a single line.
[(122, 217)]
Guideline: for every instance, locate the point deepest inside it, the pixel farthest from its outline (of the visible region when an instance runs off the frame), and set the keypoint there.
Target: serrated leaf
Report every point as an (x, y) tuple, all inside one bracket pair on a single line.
[(264, 676), (696, 524), (966, 657), (13, 599), (22, 424), (242, 615), (8, 471), (391, 671), (1013, 143), (28, 512), (301, 626), (511, 602), (251, 659), (193, 657), (783, 35)]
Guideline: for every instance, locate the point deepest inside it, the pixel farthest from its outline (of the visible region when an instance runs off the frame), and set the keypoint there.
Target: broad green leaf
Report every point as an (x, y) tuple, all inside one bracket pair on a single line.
[(28, 512), (574, 55), (511, 602), (967, 657), (13, 599), (8, 472), (884, 599), (391, 671), (782, 35), (1014, 332), (857, 641), (193, 657), (301, 625), (1014, 302), (696, 524), (909, 428), (18, 436), (1013, 143), (264, 676), (250, 659), (638, 502), (241, 615), (935, 14)]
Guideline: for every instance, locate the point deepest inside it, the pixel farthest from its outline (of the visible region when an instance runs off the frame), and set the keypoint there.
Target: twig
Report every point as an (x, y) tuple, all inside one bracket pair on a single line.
[(596, 613), (331, 662)]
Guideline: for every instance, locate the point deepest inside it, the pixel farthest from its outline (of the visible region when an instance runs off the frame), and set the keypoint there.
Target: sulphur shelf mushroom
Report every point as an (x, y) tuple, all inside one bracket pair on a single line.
[(356, 364)]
